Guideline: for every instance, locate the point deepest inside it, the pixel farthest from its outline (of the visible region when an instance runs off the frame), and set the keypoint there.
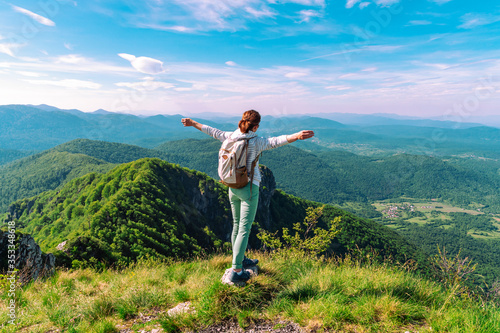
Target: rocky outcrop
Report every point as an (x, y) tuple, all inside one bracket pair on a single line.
[(267, 188), (31, 262), (215, 208)]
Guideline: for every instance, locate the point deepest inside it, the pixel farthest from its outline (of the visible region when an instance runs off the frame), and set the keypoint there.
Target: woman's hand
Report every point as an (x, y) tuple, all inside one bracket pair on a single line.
[(187, 122), (190, 122), (302, 135)]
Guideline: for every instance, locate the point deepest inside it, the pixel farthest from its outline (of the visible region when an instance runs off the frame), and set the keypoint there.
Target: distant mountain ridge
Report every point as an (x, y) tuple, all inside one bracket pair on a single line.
[(24, 127)]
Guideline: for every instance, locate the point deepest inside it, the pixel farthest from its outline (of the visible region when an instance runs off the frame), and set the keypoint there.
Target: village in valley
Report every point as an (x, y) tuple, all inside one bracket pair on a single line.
[(413, 211), (394, 211)]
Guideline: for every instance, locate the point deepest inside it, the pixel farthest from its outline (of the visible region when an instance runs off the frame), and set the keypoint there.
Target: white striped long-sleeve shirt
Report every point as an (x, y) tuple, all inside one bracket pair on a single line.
[(255, 146)]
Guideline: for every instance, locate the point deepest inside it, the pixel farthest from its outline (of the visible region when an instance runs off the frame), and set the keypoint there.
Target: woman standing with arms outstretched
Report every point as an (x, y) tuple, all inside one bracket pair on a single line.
[(244, 201)]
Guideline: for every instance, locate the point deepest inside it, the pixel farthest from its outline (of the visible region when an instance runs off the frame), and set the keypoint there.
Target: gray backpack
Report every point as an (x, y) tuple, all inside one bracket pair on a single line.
[(233, 163)]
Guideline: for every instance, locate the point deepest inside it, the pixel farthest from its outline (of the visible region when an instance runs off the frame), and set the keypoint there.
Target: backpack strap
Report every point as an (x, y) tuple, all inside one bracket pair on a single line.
[(254, 163), (246, 154)]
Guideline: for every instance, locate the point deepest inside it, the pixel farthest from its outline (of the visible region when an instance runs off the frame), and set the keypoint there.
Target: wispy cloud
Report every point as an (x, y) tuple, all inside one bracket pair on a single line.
[(295, 75), (359, 48), (472, 20), (30, 74), (301, 2), (8, 48), (260, 13), (72, 63), (351, 3), (197, 16), (385, 3), (419, 22), (67, 83), (194, 87), (440, 2), (338, 87), (307, 14), (38, 18), (147, 83), (72, 59), (177, 28)]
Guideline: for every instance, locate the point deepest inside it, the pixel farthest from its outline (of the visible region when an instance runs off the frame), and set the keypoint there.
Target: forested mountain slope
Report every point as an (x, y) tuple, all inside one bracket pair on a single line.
[(151, 207), (44, 171)]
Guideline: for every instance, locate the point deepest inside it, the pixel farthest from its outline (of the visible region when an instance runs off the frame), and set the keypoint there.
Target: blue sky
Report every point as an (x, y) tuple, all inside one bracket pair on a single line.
[(421, 58)]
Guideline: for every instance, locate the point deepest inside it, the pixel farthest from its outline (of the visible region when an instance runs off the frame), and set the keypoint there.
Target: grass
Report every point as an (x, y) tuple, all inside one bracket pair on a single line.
[(329, 295)]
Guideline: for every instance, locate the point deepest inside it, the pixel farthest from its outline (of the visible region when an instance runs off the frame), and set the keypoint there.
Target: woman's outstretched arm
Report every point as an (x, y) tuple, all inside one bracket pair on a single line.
[(213, 132), (302, 135), (190, 122)]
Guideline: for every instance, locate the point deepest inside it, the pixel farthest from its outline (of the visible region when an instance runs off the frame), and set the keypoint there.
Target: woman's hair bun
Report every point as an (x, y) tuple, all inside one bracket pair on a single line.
[(250, 119)]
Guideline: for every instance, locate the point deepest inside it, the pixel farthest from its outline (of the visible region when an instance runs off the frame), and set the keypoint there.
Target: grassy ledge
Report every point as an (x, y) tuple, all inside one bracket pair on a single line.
[(319, 295)]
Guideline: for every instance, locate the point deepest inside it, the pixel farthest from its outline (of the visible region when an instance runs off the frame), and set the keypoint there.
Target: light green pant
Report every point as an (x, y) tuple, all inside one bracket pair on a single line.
[(244, 208)]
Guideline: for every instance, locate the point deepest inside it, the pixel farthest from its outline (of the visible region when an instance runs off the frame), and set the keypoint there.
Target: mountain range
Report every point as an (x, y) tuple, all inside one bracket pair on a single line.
[(31, 128)]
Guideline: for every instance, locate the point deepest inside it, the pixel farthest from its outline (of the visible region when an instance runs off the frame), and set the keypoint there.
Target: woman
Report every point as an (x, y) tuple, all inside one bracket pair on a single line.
[(244, 201)]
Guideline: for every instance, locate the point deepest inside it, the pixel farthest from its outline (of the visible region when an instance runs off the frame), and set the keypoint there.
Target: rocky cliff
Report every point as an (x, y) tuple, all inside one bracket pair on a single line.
[(31, 262)]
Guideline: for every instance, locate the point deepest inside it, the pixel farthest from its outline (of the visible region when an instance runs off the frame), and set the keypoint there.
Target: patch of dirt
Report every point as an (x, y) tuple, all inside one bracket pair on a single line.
[(258, 327)]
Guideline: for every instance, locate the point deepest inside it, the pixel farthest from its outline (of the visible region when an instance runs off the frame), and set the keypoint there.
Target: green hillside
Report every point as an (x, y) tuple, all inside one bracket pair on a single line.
[(47, 170), (111, 152), (151, 207), (419, 176), (9, 155), (44, 171)]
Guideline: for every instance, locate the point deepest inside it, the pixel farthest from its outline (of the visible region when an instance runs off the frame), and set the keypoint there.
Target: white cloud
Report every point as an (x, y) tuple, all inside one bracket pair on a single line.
[(196, 16), (294, 75), (440, 2), (33, 16), (307, 14), (338, 87), (71, 63), (30, 74), (353, 76), (231, 63), (263, 12), (419, 22), (144, 64), (301, 2), (8, 48), (351, 3), (67, 83), (472, 20), (177, 28), (195, 86), (346, 49), (148, 84), (386, 3), (364, 5), (71, 59), (68, 46)]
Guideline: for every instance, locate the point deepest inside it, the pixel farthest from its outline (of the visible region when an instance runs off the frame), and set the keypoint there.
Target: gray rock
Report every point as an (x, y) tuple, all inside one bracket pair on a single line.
[(180, 309), (30, 260)]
